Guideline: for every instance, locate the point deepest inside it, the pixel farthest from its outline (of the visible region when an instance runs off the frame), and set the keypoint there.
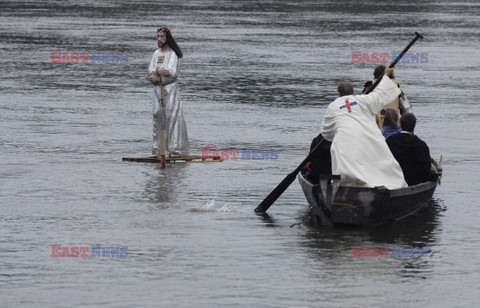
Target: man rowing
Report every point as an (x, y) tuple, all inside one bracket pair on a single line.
[(359, 152), (401, 102)]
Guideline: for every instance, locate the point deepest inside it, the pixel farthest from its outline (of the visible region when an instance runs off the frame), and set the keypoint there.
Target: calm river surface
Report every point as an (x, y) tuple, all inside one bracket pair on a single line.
[(257, 75)]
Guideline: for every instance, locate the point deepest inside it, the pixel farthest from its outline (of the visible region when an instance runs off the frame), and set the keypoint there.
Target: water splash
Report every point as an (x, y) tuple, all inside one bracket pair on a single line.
[(213, 206)]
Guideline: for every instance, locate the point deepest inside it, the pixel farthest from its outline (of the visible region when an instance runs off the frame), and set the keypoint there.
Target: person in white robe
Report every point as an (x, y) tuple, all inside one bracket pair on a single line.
[(163, 72), (359, 152)]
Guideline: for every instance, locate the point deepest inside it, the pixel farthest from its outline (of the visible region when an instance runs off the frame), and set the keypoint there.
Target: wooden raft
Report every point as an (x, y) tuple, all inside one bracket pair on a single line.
[(189, 159)]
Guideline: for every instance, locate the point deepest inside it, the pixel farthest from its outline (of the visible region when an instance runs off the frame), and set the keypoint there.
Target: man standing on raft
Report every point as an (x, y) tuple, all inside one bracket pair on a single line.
[(167, 109)]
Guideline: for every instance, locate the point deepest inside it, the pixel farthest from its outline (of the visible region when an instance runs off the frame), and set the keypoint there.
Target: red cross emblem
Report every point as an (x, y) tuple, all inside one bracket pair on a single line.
[(348, 105)]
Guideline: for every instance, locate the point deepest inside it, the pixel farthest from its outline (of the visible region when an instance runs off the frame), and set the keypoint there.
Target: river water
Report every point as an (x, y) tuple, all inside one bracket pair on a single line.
[(256, 75)]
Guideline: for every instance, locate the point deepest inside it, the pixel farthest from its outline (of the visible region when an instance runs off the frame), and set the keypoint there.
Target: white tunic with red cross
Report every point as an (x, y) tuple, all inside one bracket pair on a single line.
[(360, 154)]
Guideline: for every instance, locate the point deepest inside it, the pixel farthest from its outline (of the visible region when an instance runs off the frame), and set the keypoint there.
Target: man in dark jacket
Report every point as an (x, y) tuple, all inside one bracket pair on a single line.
[(412, 153), (321, 163)]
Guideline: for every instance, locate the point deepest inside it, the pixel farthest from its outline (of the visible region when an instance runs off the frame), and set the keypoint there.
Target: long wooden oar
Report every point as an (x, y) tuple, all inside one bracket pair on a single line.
[(288, 180), (404, 51)]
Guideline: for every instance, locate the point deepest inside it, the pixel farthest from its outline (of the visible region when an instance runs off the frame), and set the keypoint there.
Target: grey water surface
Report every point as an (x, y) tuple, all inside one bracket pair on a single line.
[(256, 75)]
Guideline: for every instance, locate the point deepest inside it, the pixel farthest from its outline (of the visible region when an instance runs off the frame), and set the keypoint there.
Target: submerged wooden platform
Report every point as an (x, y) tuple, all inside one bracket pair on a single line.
[(187, 159)]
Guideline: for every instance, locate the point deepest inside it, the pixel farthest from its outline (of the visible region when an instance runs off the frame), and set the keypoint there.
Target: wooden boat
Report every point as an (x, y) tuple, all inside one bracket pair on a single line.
[(334, 204)]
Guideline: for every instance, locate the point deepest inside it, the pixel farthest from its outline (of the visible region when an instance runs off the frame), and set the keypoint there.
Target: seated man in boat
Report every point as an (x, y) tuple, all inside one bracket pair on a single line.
[(412, 153), (401, 102), (321, 163), (359, 152)]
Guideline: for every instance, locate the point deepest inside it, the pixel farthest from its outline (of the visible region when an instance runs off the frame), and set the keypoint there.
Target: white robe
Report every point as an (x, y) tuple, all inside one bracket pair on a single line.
[(168, 116), (359, 152)]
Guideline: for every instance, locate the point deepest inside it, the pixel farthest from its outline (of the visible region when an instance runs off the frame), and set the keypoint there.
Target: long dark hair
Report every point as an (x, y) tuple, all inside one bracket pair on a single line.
[(391, 118), (170, 41)]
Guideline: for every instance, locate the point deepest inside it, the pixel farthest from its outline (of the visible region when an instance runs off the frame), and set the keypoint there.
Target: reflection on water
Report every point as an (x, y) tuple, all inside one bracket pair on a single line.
[(413, 230), (332, 246), (162, 186)]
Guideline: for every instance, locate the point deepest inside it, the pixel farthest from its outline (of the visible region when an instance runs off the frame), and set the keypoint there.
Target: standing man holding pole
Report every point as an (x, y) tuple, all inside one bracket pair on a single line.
[(169, 128), (283, 185), (359, 152)]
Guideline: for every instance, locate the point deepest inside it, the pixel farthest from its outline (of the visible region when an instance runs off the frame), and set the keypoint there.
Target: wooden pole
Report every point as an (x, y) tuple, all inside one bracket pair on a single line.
[(163, 147), (163, 131)]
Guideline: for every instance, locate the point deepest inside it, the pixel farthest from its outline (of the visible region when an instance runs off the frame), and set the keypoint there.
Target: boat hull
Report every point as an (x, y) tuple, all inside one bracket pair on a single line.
[(364, 206)]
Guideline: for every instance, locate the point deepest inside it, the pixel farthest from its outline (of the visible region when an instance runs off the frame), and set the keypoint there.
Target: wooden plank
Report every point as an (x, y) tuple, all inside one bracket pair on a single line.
[(190, 159)]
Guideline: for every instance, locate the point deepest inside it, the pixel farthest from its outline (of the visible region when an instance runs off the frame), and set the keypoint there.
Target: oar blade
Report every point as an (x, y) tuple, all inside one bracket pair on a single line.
[(277, 192)]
